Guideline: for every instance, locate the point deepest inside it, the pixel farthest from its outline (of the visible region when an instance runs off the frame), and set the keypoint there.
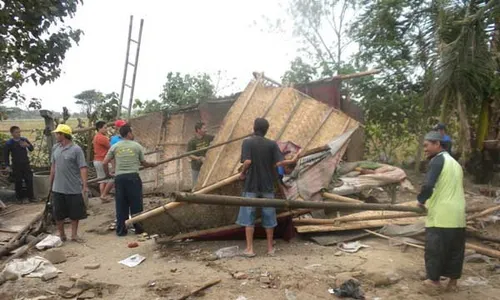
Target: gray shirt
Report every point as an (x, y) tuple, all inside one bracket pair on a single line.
[(68, 160)]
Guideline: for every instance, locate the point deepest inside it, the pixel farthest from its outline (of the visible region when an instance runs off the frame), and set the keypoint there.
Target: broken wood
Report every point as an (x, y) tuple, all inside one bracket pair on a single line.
[(23, 251), (350, 218), (484, 213), (4, 250), (339, 198), (203, 287), (357, 225), (483, 250), (394, 239), (483, 237), (286, 204), (200, 233), (172, 205), (10, 211)]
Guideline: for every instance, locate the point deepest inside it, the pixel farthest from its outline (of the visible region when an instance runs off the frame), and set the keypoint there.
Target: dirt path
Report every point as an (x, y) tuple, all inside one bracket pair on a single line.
[(301, 267)]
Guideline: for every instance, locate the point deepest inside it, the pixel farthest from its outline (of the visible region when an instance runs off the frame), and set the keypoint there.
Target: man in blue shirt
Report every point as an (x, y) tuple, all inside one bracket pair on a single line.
[(116, 138), (17, 148), (446, 139)]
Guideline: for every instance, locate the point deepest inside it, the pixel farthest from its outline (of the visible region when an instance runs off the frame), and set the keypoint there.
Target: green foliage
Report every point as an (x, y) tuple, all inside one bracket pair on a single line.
[(182, 90), (300, 72), (98, 106), (33, 42), (3, 139)]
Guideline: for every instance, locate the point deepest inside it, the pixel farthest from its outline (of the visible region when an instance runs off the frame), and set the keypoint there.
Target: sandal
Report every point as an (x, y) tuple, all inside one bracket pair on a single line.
[(63, 238), (248, 255), (78, 240), (271, 253)]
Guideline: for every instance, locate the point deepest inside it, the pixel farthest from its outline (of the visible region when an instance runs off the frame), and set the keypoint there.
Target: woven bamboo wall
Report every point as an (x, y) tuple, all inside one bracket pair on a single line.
[(293, 116)]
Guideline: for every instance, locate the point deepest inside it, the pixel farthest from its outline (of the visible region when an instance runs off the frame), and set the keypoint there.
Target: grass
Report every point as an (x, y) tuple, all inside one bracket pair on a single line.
[(29, 127)]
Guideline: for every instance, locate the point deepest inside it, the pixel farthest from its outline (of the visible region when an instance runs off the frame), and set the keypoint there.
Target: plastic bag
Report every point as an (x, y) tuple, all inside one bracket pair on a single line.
[(350, 288)]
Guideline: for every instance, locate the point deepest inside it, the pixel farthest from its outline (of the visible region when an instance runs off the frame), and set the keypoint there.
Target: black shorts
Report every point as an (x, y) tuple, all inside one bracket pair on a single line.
[(69, 206)]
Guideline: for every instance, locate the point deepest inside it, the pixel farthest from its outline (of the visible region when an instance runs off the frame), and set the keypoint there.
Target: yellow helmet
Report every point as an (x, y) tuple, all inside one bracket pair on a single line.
[(63, 128)]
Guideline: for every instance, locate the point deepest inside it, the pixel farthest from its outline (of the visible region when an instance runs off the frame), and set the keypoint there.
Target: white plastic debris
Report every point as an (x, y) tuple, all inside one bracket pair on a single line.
[(227, 252), (352, 247), (33, 267), (51, 241), (132, 261)]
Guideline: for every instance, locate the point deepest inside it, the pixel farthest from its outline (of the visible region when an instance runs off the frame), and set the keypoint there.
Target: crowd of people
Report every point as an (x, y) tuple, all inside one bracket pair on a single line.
[(442, 194)]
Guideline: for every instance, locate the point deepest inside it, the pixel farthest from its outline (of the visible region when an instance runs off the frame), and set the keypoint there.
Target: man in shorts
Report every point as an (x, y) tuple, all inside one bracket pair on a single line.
[(68, 179), (260, 158), (101, 146)]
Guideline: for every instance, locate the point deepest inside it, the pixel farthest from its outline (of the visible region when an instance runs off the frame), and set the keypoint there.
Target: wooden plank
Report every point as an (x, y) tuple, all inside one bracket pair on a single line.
[(357, 225)]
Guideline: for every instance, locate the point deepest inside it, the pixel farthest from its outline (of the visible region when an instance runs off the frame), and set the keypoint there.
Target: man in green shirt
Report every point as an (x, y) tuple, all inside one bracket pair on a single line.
[(128, 156), (443, 196), (199, 141)]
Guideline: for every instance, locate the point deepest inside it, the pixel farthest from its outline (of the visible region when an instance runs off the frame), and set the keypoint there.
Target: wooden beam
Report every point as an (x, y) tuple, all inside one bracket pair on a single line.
[(286, 204), (339, 198)]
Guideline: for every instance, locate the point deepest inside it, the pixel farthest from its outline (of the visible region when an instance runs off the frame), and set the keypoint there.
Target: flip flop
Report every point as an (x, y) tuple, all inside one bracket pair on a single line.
[(78, 240), (271, 253), (248, 255)]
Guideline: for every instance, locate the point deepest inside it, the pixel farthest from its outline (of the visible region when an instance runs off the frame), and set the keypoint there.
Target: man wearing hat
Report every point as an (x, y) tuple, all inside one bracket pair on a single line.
[(446, 139), (116, 138), (68, 179), (443, 196)]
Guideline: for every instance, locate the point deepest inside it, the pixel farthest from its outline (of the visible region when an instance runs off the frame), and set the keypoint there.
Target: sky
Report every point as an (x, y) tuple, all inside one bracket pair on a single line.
[(187, 36)]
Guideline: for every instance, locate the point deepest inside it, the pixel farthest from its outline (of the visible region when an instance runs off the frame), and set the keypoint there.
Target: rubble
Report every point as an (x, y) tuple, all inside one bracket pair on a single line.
[(72, 293), (240, 275), (93, 266), (49, 276), (83, 284), (86, 295), (55, 256), (64, 287)]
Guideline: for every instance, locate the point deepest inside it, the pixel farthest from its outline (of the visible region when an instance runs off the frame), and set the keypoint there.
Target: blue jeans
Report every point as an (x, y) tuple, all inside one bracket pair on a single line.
[(246, 216), (128, 193)]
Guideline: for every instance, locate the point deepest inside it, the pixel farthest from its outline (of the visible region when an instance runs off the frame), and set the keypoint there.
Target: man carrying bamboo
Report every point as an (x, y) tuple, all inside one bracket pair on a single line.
[(128, 156), (443, 196), (260, 157)]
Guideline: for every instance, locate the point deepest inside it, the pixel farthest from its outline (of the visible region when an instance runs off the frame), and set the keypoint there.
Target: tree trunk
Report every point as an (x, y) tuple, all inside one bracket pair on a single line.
[(418, 155), (483, 124), (443, 116), (465, 144)]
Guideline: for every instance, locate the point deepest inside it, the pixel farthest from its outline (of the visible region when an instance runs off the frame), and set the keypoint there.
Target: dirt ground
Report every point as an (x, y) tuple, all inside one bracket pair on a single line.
[(300, 268)]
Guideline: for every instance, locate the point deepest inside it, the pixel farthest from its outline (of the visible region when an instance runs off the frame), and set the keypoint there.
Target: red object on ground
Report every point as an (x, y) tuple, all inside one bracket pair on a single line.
[(133, 245)]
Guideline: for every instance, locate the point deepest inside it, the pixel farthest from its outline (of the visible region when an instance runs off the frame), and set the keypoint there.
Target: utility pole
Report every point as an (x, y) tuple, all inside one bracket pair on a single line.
[(133, 65)]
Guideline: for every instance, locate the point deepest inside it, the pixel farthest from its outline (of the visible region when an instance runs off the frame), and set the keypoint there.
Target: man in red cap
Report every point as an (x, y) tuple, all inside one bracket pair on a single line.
[(116, 138)]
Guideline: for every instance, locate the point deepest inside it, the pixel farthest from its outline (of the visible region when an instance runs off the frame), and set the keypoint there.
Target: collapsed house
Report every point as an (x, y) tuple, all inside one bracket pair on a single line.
[(320, 130)]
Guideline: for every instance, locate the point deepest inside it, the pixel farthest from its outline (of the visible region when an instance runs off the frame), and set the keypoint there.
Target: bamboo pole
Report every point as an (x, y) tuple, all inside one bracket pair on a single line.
[(484, 212), (286, 204), (200, 233), (94, 180), (339, 198), (356, 225), (483, 250), (172, 205), (23, 251), (357, 75), (354, 219), (80, 130), (393, 239)]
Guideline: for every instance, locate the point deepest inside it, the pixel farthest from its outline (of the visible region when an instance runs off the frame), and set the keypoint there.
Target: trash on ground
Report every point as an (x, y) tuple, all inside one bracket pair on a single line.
[(350, 288), (33, 267), (474, 281), (51, 241), (228, 252), (352, 247), (132, 261)]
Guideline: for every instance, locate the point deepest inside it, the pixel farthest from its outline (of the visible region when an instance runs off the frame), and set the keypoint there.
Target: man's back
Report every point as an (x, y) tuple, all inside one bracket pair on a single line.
[(264, 155), (446, 207), (128, 156)]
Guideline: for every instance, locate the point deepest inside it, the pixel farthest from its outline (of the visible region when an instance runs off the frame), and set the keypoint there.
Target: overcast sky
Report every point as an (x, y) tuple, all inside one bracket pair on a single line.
[(188, 36)]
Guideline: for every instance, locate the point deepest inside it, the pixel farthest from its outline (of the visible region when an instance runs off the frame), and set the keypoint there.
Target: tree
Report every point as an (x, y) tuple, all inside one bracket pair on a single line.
[(97, 105), (33, 42), (181, 90), (300, 72)]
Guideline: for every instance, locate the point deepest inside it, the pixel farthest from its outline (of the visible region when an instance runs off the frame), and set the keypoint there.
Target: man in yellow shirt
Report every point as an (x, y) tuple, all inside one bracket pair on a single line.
[(443, 196)]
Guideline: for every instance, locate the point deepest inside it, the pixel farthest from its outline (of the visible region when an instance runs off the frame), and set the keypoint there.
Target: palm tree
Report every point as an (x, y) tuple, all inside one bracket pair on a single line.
[(464, 65)]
